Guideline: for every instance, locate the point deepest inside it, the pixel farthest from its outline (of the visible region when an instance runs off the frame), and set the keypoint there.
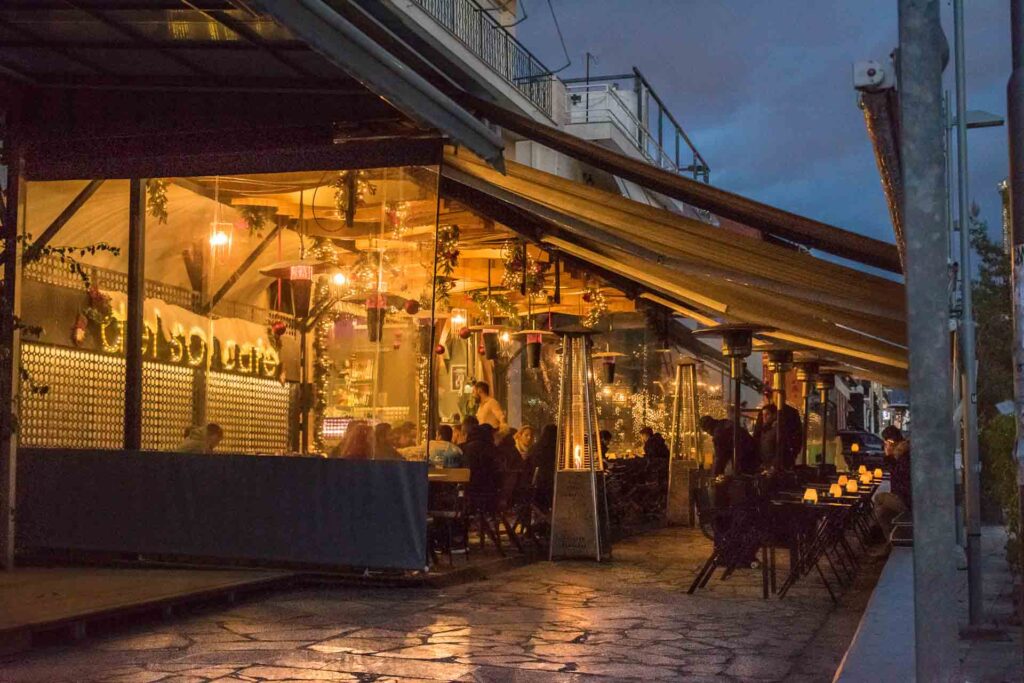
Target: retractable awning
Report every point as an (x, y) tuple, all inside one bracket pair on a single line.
[(697, 269), (769, 219)]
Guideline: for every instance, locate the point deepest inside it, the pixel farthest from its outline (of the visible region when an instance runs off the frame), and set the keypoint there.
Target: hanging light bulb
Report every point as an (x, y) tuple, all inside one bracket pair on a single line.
[(339, 279), (219, 238)]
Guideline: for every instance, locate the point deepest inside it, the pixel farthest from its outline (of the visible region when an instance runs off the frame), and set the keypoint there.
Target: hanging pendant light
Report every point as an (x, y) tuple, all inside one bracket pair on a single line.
[(533, 339)]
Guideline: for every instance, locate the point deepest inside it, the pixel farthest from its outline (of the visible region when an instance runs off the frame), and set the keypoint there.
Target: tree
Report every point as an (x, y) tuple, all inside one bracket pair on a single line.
[(993, 313)]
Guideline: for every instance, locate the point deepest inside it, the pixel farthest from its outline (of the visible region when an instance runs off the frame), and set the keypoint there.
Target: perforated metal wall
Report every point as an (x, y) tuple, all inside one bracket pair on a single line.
[(167, 395), (84, 407), (252, 411)]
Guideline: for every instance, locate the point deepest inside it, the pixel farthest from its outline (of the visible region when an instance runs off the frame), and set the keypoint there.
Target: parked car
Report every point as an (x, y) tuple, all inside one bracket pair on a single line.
[(862, 448)]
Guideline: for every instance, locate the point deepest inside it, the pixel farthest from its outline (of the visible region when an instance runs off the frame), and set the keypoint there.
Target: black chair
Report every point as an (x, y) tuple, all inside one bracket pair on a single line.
[(448, 521)]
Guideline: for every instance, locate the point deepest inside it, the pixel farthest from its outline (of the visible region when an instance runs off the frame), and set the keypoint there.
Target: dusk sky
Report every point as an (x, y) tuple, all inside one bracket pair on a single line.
[(764, 89)]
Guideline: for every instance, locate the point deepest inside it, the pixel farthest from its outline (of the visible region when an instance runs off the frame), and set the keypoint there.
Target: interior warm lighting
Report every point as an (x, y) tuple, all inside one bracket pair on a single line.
[(811, 496), (862, 469), (843, 479), (458, 317), (505, 337), (878, 473), (339, 279), (855, 448), (577, 457), (835, 490), (606, 390), (866, 478), (851, 486), (219, 239)]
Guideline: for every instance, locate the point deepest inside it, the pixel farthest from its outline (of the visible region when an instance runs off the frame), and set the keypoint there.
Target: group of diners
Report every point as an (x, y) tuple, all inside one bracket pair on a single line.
[(774, 445)]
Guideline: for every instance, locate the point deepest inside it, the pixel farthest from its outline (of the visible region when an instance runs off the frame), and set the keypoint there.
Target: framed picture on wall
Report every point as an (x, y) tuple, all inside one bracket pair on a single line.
[(458, 377)]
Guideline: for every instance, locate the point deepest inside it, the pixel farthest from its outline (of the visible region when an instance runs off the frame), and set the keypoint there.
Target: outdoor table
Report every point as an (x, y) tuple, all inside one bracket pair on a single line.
[(450, 475)]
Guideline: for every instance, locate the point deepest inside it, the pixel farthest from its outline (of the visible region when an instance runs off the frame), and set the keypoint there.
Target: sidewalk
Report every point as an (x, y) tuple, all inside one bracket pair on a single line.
[(999, 657)]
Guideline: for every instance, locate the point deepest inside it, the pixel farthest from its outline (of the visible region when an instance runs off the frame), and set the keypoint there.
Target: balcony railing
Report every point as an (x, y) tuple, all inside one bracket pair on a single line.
[(630, 104), (474, 27)]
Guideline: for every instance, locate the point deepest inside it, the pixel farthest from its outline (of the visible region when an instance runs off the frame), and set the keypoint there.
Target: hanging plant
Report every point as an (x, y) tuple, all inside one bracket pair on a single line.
[(597, 307), (513, 254), (342, 185), (447, 260), (494, 305), (256, 218), (156, 199)]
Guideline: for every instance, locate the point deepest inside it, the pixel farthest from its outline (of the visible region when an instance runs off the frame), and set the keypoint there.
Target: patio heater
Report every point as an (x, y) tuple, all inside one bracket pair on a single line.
[(579, 513), (823, 384), (299, 275), (686, 460), (737, 345), (806, 371), (779, 359)]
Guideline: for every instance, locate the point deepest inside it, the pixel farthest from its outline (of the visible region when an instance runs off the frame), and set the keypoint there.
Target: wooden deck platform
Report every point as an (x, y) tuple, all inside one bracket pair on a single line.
[(40, 599)]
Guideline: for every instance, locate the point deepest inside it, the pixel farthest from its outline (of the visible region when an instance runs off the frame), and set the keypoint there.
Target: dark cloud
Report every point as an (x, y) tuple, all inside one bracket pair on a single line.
[(764, 89)]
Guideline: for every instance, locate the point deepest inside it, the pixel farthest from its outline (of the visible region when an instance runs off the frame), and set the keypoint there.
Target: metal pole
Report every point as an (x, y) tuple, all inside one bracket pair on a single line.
[(1015, 121), (972, 466), (10, 259), (134, 313), (736, 370), (923, 54)]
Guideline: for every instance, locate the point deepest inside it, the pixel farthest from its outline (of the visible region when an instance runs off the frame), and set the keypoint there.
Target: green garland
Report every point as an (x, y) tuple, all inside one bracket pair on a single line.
[(494, 305), (342, 184), (256, 217), (156, 199), (512, 254), (447, 259)]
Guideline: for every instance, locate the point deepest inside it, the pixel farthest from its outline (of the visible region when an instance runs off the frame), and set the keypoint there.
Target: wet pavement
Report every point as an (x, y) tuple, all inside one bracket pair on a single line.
[(568, 621)]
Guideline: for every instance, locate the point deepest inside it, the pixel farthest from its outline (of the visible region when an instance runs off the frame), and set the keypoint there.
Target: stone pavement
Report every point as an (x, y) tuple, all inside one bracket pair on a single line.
[(630, 619), (997, 656)]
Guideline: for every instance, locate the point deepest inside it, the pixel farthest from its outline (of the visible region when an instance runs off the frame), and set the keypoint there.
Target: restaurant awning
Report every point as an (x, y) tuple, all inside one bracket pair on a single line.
[(769, 219), (696, 269)]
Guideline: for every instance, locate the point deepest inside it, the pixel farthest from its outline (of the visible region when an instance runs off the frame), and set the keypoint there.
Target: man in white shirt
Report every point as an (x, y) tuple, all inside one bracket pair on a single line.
[(489, 410)]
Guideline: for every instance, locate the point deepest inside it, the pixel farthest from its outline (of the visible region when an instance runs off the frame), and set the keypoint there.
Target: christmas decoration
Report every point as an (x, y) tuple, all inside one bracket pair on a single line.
[(278, 328), (513, 252), (395, 216), (439, 349), (156, 199), (494, 305), (345, 184), (78, 330), (598, 307), (464, 333), (256, 218), (446, 259), (411, 306)]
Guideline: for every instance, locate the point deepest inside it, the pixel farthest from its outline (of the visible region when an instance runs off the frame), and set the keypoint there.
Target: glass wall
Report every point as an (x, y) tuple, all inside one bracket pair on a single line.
[(281, 308)]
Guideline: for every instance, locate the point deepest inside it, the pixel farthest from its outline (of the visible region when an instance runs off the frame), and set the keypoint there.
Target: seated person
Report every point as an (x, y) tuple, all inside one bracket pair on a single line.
[(890, 504), (384, 447), (441, 452), (200, 439), (357, 442), (654, 444)]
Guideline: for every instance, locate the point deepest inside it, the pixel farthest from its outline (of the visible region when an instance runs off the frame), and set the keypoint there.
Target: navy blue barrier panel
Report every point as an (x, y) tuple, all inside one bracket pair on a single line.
[(355, 513)]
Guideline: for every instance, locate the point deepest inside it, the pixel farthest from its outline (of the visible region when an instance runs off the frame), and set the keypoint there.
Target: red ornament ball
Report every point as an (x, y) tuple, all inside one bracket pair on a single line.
[(279, 328), (464, 333), (412, 307), (439, 349)]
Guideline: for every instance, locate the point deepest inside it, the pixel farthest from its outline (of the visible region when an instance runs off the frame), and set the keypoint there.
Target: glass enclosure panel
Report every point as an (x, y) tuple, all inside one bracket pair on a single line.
[(73, 393)]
